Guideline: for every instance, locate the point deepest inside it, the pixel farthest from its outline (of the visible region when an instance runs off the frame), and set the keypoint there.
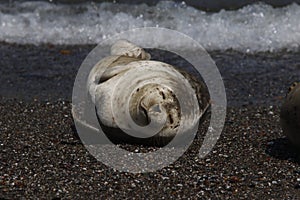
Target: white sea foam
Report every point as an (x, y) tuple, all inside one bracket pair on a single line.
[(257, 27)]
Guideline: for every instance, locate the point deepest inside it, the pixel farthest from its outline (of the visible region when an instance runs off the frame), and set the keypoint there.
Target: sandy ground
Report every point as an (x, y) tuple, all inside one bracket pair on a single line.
[(42, 156)]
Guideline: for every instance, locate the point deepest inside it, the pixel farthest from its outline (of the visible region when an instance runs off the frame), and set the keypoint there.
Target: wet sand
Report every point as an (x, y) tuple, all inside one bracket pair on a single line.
[(42, 156)]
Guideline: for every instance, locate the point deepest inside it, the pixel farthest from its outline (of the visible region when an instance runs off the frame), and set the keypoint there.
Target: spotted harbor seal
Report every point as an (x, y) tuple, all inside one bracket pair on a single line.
[(129, 79), (290, 115)]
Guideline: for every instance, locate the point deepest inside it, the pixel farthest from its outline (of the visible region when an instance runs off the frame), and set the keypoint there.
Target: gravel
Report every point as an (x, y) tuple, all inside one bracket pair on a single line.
[(42, 156)]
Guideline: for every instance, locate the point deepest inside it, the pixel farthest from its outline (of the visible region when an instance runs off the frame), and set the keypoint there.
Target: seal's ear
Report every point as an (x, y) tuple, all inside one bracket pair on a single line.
[(126, 48)]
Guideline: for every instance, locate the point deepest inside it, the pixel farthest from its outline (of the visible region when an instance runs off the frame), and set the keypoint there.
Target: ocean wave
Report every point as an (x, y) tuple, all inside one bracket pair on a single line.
[(253, 28)]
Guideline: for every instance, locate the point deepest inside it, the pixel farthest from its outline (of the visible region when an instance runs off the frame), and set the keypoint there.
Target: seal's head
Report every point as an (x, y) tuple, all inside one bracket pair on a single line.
[(290, 115)]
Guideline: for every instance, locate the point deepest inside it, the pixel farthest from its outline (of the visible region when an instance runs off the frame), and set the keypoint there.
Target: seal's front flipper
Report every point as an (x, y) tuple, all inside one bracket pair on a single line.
[(126, 48)]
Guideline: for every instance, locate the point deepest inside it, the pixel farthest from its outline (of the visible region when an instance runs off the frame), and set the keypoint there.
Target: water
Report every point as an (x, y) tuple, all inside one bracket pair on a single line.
[(254, 28)]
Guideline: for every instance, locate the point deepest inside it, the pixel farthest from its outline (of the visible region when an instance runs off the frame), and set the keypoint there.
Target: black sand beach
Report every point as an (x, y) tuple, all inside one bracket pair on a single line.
[(42, 156)]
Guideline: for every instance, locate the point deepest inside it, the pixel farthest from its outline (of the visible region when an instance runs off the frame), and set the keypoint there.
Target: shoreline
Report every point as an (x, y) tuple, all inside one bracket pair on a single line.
[(47, 72)]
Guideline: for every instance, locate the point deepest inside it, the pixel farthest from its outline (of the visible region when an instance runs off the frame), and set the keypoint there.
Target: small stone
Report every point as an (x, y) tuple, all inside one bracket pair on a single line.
[(227, 187), (269, 184), (271, 113)]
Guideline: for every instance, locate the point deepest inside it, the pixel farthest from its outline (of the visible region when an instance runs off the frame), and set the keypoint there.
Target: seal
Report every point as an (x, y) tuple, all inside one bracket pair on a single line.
[(290, 115), (129, 79)]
